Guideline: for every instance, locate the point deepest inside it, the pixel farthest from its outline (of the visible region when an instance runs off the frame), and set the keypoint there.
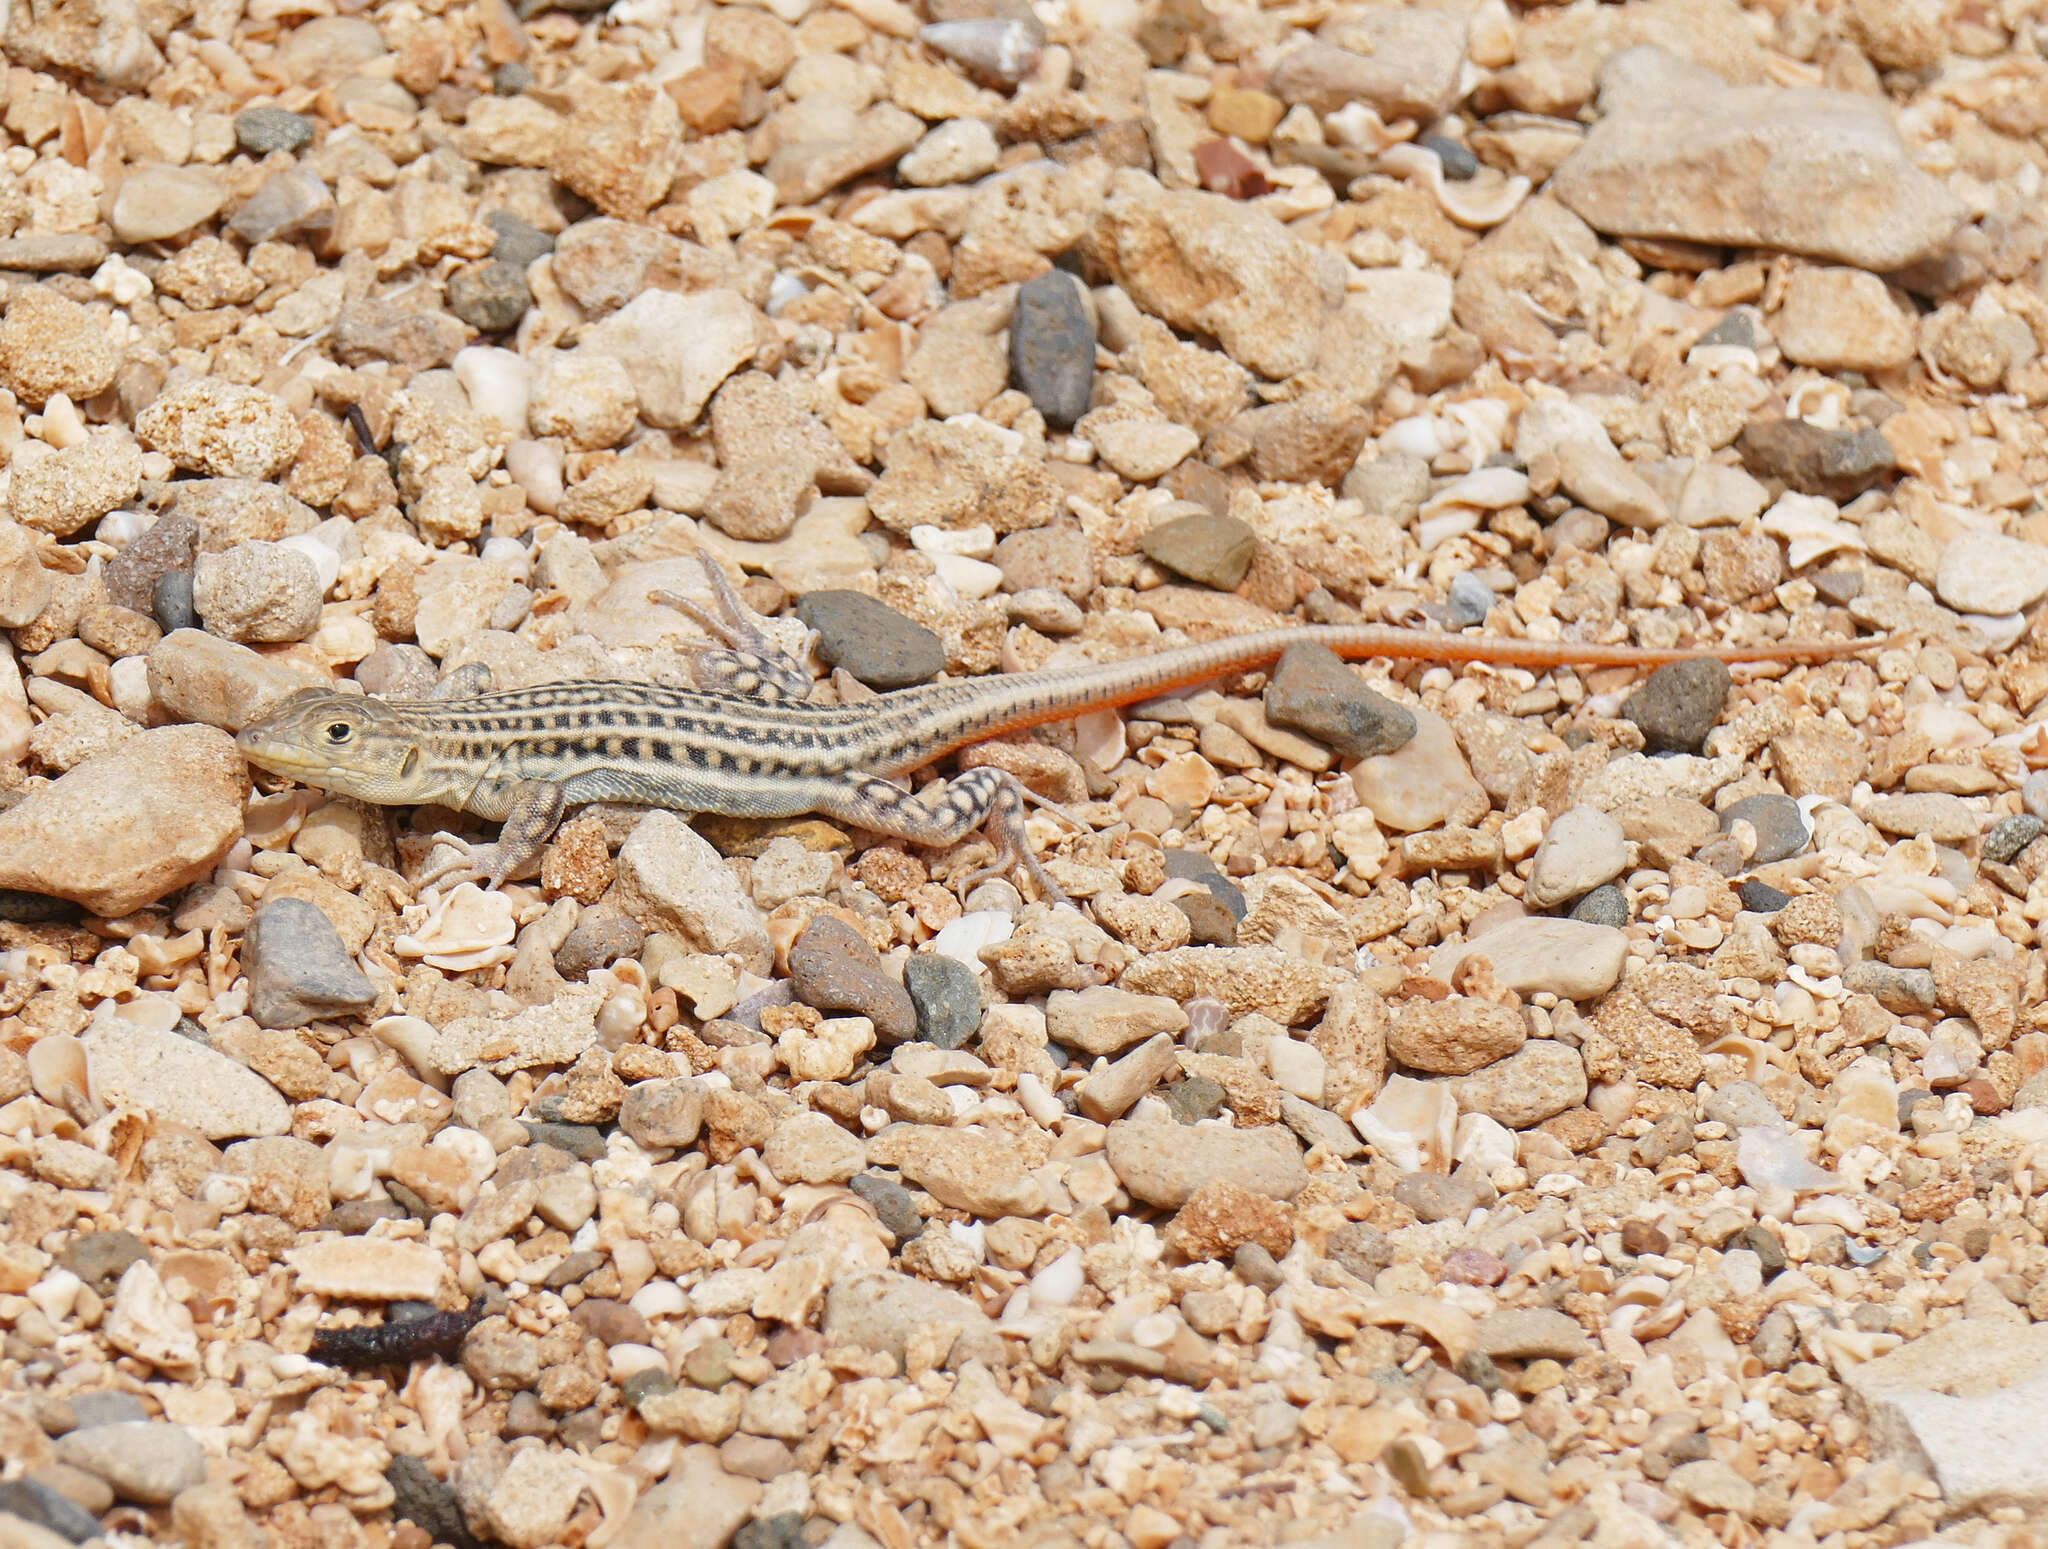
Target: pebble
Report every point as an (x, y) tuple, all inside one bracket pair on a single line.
[(874, 643), (892, 1202), (1679, 153), (287, 202), (1781, 828), (1531, 1334), (1837, 319), (2034, 794), (1195, 1099), (2011, 835), (1582, 848), (678, 349), (1203, 546), (1837, 464), (833, 968), (1986, 572), (1434, 1197), (299, 971), (156, 202), (100, 1259), (147, 1461), (1468, 601), (1393, 485), (946, 996), (519, 242), (1312, 691), (221, 428), (1163, 1164), (258, 593), (1423, 784), (697, 1505), (1761, 897), (491, 296), (1605, 905), (1943, 818), (1678, 705), (1052, 348), (668, 1112), (883, 1311), (154, 812), (1106, 1020), (671, 879), (265, 128), (1538, 1081), (50, 344), (1454, 1037), (37, 1503), (1110, 1093)]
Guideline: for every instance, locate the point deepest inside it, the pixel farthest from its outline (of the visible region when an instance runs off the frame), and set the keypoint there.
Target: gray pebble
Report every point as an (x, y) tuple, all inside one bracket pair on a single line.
[(105, 1406), (878, 645), (519, 242), (299, 970), (784, 1530), (1840, 587), (1736, 330), (1764, 1243), (834, 969), (1052, 348), (425, 1501), (170, 602), (148, 1461), (1761, 897), (1678, 705), (892, 1204), (602, 935), (1255, 1266), (1361, 1248), (947, 997), (1434, 1197), (585, 1142), (33, 1501), (267, 127), (1901, 991), (574, 1269), (1780, 826), (1670, 1136), (131, 576), (1776, 1345), (1606, 904), (1210, 920), (491, 296), (353, 1217), (1469, 600), (1840, 464), (511, 78), (1459, 164), (1203, 546), (2011, 835), (648, 1382), (100, 1259), (1194, 866), (1312, 691)]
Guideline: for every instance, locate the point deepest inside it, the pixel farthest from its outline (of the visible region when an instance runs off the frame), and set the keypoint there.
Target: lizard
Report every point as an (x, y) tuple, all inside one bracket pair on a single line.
[(747, 742)]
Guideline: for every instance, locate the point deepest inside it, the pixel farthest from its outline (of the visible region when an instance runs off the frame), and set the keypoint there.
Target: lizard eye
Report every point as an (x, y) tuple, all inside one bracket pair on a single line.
[(338, 731)]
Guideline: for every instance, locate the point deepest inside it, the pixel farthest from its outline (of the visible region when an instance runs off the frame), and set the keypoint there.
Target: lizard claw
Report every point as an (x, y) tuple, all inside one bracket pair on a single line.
[(484, 864)]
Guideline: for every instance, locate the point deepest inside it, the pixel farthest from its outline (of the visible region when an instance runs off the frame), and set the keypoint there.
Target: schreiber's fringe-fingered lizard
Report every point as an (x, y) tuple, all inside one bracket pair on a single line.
[(745, 743)]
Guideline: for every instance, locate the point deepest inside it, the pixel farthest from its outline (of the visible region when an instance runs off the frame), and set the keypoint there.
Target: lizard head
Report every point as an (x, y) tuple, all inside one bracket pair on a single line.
[(338, 742)]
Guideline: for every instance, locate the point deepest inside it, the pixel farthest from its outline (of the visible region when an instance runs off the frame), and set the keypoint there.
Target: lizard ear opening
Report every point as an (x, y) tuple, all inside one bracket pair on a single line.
[(412, 762)]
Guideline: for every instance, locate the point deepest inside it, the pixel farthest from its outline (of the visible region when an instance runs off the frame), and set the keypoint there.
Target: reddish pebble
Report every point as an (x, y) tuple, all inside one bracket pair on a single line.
[(1640, 1237), (787, 1346), (1983, 1096), (1473, 1266)]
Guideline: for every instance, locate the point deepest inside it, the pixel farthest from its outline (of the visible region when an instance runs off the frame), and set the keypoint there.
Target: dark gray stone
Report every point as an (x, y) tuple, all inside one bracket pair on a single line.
[(100, 1259), (1737, 329), (267, 127), (519, 242), (1840, 464), (892, 1203), (784, 1530), (299, 970), (33, 1501), (1469, 600), (947, 997), (1203, 546), (1840, 587), (491, 296), (603, 934), (1780, 826), (426, 1502), (2011, 835), (875, 643), (1312, 691), (585, 1142), (1052, 348), (512, 78), (1459, 164), (1607, 904), (834, 969), (1761, 897), (1678, 705)]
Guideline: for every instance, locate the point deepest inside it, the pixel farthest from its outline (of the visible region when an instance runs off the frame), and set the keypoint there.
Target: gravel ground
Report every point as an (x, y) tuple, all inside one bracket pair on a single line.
[(1480, 1107)]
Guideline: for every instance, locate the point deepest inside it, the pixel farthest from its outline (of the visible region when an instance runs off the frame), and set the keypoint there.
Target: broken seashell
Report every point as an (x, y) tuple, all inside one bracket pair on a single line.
[(1478, 203), (462, 931), (1003, 50)]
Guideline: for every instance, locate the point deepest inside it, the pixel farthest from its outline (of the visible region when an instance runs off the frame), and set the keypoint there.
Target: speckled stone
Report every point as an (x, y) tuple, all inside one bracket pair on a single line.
[(892, 1203), (490, 296), (1840, 464), (1606, 904), (1678, 705), (2011, 835), (1312, 691), (267, 127), (1052, 348), (947, 997)]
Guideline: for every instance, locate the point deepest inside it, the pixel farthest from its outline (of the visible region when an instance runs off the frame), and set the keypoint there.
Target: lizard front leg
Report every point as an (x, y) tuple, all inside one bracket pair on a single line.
[(980, 797), (536, 811)]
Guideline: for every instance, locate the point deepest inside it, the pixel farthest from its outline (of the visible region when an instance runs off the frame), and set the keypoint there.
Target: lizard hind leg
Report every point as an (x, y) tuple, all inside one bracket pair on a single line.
[(739, 658), (983, 797)]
